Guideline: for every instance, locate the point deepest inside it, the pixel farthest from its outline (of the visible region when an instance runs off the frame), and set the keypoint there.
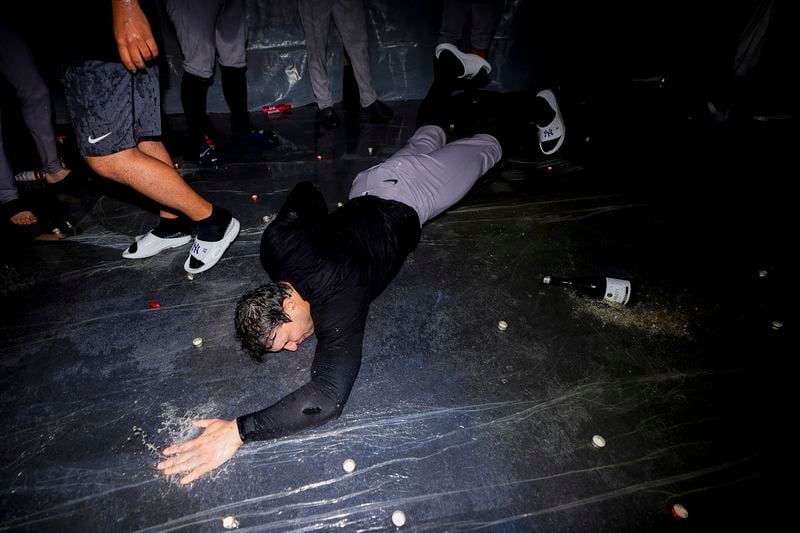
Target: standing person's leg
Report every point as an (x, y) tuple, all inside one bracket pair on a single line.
[(9, 198), (454, 17), (351, 21), (195, 26), (8, 188), (231, 39), (231, 43), (485, 19), (19, 68), (114, 127), (315, 16), (119, 127)]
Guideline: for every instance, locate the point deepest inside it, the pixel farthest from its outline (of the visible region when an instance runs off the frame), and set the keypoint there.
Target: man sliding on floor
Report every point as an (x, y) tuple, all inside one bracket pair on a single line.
[(327, 268)]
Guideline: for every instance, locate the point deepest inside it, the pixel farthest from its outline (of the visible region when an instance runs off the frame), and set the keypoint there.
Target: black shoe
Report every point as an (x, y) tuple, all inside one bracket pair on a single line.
[(256, 138), (329, 117), (207, 156), (378, 112)]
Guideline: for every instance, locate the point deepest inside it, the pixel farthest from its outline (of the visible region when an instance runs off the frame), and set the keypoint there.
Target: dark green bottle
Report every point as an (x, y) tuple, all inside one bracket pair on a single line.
[(612, 290)]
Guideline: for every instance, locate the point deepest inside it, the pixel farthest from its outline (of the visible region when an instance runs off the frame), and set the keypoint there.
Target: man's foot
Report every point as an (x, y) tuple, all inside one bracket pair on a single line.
[(206, 155), (63, 182), (205, 254), (18, 213), (329, 117), (378, 112), (148, 245)]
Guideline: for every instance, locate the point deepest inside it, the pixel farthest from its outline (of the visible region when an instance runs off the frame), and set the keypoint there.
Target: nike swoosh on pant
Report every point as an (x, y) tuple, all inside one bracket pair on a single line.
[(95, 140)]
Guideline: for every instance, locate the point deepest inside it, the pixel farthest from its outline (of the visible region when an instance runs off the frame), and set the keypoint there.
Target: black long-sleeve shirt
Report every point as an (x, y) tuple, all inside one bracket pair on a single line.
[(339, 263)]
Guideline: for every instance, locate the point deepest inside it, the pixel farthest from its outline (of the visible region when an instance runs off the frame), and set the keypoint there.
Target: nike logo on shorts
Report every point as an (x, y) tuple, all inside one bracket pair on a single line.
[(393, 182), (95, 140)]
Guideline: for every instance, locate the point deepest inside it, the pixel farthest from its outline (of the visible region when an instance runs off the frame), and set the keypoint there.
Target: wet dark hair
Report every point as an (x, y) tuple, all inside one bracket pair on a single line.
[(258, 312)]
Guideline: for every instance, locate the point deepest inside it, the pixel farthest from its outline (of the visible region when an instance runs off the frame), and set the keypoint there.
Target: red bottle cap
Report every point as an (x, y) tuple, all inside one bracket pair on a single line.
[(154, 305), (680, 512)]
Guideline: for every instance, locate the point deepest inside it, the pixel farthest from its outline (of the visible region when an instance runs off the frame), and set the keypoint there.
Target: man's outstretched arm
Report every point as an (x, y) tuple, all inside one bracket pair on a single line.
[(333, 373)]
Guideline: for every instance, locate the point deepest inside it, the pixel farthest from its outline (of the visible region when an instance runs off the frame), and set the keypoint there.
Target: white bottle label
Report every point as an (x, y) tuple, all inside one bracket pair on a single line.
[(618, 291)]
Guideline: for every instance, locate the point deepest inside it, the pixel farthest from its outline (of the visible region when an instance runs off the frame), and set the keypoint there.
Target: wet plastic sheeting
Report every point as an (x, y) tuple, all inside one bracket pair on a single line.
[(402, 35), (459, 425)]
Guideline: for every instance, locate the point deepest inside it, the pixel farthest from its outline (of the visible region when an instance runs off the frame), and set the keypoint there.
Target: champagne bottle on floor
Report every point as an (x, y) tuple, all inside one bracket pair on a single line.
[(30, 176), (612, 290)]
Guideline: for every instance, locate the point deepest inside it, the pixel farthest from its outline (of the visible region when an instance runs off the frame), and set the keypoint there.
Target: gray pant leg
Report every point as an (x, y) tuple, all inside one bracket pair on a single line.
[(485, 18), (231, 34), (454, 17), (315, 16), (18, 67), (196, 26), (351, 21), (8, 188), (430, 182), (424, 141)]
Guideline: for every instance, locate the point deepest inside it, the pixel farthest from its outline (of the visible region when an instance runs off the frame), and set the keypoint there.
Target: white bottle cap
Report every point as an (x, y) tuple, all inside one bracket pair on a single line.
[(348, 465), (598, 441), (399, 518), (546, 280), (198, 341), (230, 522), (680, 512), (502, 325)]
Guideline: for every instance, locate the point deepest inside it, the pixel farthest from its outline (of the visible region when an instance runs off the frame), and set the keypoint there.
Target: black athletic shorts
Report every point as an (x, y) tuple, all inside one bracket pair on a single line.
[(111, 108)]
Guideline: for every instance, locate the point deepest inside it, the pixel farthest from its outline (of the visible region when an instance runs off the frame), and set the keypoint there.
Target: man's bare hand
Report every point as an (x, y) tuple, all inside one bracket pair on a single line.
[(214, 447), (135, 40)]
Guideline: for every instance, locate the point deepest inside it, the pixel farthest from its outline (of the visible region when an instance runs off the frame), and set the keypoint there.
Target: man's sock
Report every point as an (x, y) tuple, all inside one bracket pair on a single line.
[(169, 228), (234, 88), (193, 97), (213, 228)]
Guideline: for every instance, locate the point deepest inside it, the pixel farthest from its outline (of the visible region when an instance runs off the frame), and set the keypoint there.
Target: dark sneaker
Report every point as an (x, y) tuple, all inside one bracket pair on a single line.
[(329, 117), (256, 138), (377, 112), (207, 156)]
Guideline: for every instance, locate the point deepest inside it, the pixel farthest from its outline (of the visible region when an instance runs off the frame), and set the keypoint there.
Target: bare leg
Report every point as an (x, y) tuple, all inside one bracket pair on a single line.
[(482, 52), (157, 150), (154, 177)]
